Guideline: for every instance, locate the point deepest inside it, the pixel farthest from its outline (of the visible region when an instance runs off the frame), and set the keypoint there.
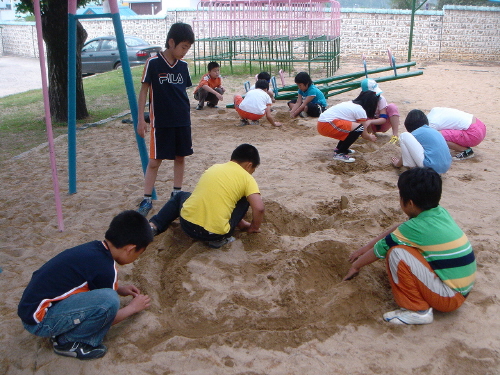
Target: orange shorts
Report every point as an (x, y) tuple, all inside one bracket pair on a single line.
[(338, 129), (415, 286), (244, 114)]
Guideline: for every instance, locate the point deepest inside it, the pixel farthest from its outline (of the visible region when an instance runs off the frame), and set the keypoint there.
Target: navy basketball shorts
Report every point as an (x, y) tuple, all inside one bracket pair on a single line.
[(167, 143)]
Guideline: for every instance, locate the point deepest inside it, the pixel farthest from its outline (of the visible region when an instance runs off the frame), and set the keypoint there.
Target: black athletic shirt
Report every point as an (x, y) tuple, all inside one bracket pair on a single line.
[(168, 99), (79, 269)]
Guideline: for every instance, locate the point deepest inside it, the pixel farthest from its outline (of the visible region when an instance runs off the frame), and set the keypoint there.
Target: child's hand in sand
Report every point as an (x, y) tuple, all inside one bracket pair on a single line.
[(246, 226), (277, 123), (128, 290), (351, 274), (139, 303), (252, 229), (397, 162)]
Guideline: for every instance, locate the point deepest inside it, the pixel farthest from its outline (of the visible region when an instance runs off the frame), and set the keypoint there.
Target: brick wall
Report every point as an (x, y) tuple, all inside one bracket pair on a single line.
[(456, 33)]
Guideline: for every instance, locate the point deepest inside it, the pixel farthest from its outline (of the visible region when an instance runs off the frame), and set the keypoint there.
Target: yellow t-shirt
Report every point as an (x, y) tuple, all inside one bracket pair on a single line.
[(215, 196)]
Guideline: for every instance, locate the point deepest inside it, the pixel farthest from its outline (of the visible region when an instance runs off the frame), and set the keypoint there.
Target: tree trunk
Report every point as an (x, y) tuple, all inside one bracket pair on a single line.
[(55, 35)]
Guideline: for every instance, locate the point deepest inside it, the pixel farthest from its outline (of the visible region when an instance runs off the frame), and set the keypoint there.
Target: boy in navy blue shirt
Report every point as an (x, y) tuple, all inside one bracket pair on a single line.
[(166, 77), (73, 298)]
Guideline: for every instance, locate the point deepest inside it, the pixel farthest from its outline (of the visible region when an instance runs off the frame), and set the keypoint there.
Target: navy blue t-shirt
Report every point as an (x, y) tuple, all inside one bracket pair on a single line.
[(79, 269), (168, 100)]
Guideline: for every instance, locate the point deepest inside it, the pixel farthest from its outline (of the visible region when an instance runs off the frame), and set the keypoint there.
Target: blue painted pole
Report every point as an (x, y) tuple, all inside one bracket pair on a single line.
[(71, 102), (127, 76)]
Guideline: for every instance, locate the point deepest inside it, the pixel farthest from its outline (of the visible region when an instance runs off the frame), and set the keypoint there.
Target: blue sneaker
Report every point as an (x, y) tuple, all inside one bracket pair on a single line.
[(218, 244), (145, 206), (80, 350)]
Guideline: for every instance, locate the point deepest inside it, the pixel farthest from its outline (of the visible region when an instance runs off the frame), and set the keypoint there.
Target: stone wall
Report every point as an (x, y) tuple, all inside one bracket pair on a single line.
[(456, 33)]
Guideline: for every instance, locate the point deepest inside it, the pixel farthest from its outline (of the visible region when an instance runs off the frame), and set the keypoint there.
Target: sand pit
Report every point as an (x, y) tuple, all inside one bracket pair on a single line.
[(268, 303)]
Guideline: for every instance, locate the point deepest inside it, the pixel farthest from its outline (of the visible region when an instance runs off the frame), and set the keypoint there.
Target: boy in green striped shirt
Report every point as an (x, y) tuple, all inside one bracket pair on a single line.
[(429, 259)]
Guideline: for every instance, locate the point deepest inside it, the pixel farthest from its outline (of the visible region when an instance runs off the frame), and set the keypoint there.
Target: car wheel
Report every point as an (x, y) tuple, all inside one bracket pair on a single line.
[(118, 65)]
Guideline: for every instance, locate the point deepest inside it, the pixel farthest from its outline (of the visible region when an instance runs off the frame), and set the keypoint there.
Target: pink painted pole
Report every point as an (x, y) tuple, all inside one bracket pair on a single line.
[(48, 120)]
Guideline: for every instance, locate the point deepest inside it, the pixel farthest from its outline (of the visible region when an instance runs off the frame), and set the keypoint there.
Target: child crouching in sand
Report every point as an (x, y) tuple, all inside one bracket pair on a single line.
[(73, 298), (345, 122), (255, 105), (430, 262)]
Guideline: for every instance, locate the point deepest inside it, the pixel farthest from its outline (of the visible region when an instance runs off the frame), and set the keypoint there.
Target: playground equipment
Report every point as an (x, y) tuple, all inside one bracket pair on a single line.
[(343, 83), (127, 74), (268, 34)]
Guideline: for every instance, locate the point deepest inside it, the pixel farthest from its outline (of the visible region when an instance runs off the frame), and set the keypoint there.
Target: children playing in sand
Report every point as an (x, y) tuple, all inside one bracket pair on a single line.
[(461, 130), (345, 121), (219, 201), (210, 88), (422, 146), (255, 105), (73, 298), (166, 78), (430, 262), (310, 100), (267, 77), (386, 115)]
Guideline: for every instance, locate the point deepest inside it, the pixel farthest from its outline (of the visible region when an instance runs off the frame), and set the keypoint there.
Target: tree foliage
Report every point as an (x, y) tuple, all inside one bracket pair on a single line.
[(54, 15)]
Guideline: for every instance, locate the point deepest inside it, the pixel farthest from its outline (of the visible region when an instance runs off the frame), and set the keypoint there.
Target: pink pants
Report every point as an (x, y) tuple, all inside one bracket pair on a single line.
[(466, 138)]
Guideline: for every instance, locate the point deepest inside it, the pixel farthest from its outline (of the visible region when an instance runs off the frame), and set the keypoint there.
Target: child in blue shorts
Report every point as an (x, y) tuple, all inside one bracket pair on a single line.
[(73, 298), (166, 77)]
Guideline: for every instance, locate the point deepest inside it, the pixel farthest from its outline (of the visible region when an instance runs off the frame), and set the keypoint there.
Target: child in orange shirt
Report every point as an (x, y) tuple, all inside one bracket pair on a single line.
[(210, 87)]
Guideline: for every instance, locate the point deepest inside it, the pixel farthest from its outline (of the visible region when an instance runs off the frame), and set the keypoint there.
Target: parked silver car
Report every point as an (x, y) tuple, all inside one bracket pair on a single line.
[(101, 54)]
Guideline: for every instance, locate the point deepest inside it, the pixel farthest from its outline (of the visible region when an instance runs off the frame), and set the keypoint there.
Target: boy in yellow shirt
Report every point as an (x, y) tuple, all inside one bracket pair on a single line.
[(219, 201)]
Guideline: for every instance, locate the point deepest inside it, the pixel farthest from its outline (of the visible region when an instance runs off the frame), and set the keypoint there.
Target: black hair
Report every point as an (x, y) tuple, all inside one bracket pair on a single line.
[(415, 119), (262, 84), (369, 101), (129, 228), (264, 75), (180, 32), (304, 78), (423, 186), (246, 152), (212, 65)]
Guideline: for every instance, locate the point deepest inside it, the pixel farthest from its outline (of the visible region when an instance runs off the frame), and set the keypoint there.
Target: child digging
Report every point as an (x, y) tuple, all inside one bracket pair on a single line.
[(73, 298), (430, 262), (255, 105)]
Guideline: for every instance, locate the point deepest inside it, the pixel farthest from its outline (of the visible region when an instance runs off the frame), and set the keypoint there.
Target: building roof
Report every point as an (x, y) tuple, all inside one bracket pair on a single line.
[(124, 11)]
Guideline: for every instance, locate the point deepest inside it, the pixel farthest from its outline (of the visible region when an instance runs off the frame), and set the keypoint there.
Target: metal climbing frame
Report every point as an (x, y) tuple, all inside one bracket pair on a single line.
[(268, 34)]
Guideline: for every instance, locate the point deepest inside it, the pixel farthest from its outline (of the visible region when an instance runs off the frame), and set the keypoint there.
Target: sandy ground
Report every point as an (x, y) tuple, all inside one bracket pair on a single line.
[(269, 303)]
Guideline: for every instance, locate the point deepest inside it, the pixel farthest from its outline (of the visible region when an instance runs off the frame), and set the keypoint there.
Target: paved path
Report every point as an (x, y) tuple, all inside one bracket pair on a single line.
[(19, 74)]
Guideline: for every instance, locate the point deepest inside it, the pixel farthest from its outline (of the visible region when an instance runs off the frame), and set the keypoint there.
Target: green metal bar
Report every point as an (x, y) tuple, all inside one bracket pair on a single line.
[(410, 41), (350, 75), (352, 85), (346, 86)]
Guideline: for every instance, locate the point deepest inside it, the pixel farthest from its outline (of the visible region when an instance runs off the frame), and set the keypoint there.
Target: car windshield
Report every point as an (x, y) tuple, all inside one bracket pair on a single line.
[(134, 42)]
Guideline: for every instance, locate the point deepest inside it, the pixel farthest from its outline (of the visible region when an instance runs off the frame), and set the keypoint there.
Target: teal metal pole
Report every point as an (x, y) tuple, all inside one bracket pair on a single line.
[(129, 84), (71, 103)]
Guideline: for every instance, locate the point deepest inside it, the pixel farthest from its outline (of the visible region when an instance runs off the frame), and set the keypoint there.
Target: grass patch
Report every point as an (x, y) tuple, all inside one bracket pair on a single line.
[(22, 116)]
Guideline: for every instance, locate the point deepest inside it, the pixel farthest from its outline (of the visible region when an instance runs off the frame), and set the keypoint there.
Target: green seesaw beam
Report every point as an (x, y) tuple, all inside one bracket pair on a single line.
[(350, 76), (347, 84)]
